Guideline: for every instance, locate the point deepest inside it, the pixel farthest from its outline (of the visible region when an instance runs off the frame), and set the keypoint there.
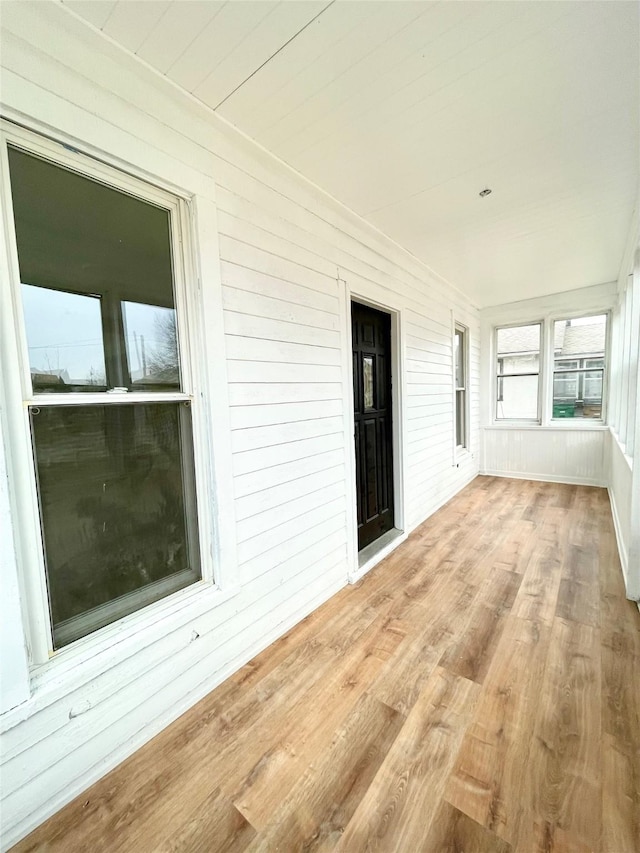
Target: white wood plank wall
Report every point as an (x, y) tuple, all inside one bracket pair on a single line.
[(284, 248)]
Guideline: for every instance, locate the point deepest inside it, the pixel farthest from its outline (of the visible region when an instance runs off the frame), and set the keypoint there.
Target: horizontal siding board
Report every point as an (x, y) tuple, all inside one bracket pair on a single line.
[(254, 326), (265, 394), (242, 417), (419, 366), (268, 518), (292, 548), (258, 481), (246, 232), (251, 281), (274, 308), (271, 436), (269, 372), (267, 457), (258, 259), (239, 348), (258, 502), (280, 534)]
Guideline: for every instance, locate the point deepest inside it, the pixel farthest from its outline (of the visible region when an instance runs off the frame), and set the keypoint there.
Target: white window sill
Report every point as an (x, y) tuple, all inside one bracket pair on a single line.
[(463, 454), (87, 659), (599, 426)]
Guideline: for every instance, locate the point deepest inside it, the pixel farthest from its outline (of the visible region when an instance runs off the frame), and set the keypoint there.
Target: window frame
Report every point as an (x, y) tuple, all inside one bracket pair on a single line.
[(498, 376), (463, 331), (547, 371), (189, 311)]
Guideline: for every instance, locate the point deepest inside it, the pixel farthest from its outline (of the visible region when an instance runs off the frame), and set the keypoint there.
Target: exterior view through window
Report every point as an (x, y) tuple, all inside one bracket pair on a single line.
[(518, 369), (115, 476), (579, 364)]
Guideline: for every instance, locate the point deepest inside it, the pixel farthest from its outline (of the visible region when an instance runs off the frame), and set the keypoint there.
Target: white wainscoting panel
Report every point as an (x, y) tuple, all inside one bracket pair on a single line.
[(562, 455)]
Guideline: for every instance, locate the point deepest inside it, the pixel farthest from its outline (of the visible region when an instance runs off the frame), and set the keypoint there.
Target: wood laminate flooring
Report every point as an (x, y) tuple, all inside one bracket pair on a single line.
[(477, 692)]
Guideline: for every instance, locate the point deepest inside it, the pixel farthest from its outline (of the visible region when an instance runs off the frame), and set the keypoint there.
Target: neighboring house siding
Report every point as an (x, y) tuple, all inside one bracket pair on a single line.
[(285, 253)]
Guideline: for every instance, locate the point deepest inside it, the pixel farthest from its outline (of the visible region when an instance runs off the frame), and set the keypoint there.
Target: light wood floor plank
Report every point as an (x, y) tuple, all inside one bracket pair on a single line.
[(397, 810), (488, 779), (452, 832), (312, 817), (565, 751)]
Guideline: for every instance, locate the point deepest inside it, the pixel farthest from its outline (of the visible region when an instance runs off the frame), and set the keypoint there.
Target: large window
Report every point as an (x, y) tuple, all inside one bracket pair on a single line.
[(460, 359), (518, 370), (571, 367), (108, 411), (579, 367)]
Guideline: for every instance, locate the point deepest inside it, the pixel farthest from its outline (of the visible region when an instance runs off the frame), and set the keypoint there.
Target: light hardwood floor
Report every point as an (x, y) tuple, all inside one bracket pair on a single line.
[(478, 692)]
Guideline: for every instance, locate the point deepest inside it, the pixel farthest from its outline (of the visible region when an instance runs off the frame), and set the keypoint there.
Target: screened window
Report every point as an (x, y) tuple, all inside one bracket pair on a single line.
[(460, 360), (518, 372), (115, 476), (579, 367)]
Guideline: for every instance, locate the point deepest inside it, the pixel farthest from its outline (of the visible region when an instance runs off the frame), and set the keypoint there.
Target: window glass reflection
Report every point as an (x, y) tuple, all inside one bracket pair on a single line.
[(64, 338), (98, 282), (152, 346), (117, 505)]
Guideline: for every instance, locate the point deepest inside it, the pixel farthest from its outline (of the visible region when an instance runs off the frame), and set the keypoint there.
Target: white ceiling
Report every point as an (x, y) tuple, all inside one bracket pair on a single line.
[(404, 111)]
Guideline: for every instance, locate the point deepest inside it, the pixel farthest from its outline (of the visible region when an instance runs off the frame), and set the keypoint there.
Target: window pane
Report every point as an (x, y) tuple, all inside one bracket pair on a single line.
[(64, 336), (117, 506), (152, 346), (79, 238), (565, 387), (519, 349), (460, 425), (518, 352), (579, 343), (580, 337), (517, 397), (459, 359), (367, 378)]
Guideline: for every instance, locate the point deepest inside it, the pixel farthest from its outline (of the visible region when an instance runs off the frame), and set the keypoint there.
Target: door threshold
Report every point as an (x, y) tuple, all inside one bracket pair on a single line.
[(376, 551)]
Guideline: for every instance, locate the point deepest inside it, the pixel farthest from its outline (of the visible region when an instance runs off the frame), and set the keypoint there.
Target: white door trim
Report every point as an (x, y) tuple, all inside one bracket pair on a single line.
[(398, 396)]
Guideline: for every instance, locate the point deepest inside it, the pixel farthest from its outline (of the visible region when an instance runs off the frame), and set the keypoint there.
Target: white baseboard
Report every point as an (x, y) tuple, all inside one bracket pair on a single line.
[(622, 550), (545, 478)]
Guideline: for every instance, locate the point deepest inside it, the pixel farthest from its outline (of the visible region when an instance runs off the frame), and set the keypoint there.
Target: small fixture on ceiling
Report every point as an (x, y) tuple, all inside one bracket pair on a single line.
[(485, 192)]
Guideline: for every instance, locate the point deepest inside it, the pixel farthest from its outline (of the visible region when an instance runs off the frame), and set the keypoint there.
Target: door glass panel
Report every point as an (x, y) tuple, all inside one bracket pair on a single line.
[(64, 338), (152, 346), (367, 379), (117, 507)]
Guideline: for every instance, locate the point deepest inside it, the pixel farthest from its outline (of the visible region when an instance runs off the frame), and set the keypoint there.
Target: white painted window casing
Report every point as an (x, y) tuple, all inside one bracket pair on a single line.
[(35, 594)]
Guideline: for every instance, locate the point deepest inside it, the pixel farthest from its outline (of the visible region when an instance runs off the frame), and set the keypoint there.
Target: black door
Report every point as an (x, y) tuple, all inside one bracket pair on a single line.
[(372, 402)]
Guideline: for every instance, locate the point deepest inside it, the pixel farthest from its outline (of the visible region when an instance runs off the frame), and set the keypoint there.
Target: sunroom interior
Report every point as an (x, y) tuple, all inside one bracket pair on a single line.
[(281, 282)]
